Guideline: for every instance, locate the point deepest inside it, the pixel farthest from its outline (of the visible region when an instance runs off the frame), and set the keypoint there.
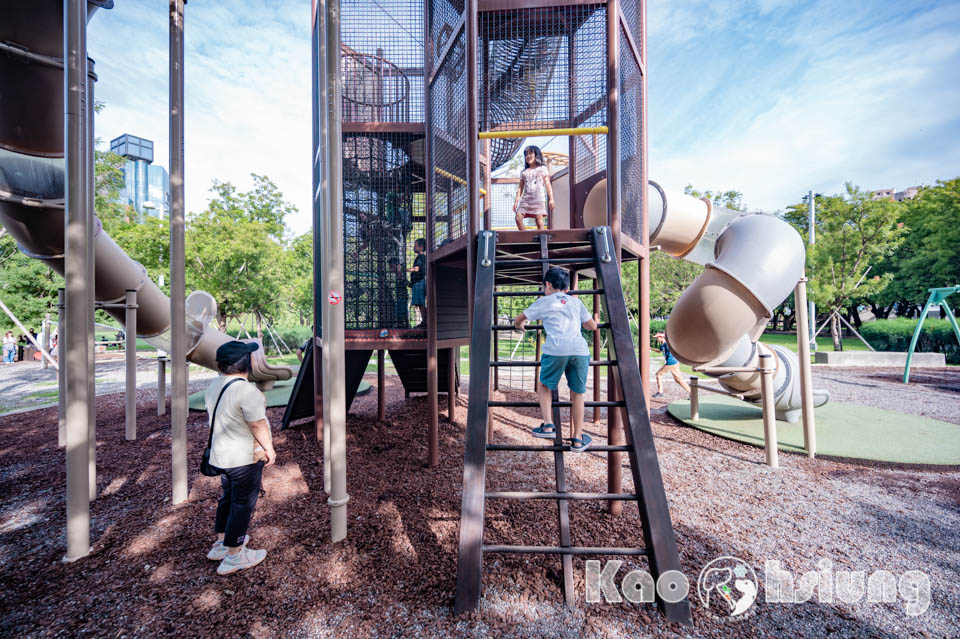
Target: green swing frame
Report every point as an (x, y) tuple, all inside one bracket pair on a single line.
[(937, 296)]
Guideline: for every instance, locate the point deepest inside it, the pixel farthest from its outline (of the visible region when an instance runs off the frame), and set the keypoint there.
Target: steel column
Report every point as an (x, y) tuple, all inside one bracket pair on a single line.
[(162, 385), (806, 377), (131, 346), (73, 340), (381, 380), (178, 286), (334, 371), (61, 370), (91, 270)]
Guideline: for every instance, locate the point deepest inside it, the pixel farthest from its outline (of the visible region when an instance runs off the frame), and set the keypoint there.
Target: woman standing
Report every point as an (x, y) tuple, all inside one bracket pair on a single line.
[(237, 411)]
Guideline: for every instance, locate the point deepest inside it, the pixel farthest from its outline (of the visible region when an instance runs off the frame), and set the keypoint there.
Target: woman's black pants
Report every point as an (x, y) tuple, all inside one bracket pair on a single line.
[(241, 487)]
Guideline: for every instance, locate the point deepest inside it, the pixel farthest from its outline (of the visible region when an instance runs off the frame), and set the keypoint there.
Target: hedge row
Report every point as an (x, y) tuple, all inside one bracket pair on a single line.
[(894, 335)]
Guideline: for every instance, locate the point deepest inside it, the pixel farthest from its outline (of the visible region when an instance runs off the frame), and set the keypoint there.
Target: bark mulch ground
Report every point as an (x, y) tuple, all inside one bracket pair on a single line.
[(147, 575)]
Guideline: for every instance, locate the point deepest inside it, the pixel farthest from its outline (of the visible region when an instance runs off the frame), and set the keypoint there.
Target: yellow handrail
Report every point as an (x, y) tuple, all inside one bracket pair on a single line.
[(455, 178), (533, 133)]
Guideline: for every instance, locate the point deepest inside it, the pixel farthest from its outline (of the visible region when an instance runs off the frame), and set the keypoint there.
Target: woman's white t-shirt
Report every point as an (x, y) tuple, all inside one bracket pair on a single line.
[(233, 442)]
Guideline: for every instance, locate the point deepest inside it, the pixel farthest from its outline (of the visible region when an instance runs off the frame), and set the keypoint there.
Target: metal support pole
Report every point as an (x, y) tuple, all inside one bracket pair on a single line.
[(162, 385), (806, 377), (91, 293), (694, 398), (73, 340), (811, 240), (596, 350), (44, 341), (769, 413), (334, 372), (61, 371), (381, 380), (451, 386), (178, 286), (131, 346)]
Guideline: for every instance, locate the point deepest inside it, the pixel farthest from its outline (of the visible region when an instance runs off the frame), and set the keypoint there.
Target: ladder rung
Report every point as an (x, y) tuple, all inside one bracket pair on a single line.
[(545, 260), (577, 496), (578, 291), (562, 404), (534, 447), (560, 550), (537, 327), (596, 362)]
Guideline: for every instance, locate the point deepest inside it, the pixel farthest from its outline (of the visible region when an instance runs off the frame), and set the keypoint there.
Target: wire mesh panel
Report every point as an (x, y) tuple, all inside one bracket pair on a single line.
[(632, 13), (444, 17), (631, 143), (590, 98), (382, 60), (501, 200), (525, 69), (383, 212), (448, 95)]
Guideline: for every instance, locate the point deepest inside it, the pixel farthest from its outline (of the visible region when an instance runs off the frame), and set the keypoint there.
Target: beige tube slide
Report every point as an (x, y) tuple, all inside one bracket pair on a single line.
[(753, 262), (38, 225)]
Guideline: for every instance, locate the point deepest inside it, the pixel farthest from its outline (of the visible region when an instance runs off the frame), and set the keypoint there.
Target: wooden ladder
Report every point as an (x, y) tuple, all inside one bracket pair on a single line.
[(659, 543)]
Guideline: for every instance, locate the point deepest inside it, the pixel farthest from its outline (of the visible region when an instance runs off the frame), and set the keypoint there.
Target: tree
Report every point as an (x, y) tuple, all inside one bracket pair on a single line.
[(235, 250), (931, 255), (854, 234), (300, 277)]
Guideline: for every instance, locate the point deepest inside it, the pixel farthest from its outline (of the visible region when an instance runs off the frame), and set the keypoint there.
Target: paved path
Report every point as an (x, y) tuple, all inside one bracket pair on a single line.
[(25, 385)]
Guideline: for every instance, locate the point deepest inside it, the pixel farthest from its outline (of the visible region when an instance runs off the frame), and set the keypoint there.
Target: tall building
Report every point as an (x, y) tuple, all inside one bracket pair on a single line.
[(146, 186)]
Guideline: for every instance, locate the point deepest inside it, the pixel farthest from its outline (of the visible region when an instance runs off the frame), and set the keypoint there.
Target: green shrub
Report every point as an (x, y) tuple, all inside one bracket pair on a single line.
[(894, 335)]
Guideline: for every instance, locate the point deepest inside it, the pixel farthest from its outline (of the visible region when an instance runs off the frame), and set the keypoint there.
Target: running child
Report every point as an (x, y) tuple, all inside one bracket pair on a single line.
[(534, 183), (564, 351), (670, 364)]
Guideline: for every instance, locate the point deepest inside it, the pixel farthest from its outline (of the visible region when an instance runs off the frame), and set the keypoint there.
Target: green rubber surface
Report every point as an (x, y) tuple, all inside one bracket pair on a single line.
[(279, 395), (843, 430)]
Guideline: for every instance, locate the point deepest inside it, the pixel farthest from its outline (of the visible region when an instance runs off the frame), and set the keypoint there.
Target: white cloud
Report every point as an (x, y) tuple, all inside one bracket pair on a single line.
[(876, 102), (247, 90)]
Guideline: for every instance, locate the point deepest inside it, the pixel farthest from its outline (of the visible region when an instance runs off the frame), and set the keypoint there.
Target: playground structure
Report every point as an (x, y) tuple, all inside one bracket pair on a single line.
[(409, 125)]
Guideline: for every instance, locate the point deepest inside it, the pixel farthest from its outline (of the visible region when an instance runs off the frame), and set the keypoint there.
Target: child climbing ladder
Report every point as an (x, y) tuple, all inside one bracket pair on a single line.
[(565, 352)]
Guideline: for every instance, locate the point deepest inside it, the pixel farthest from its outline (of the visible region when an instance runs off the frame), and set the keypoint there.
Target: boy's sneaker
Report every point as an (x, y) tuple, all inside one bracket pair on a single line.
[(244, 559), (219, 551), (658, 394)]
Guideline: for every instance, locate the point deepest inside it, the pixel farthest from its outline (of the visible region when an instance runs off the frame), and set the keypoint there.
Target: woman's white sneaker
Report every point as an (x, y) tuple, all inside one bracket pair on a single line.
[(219, 551), (242, 560)]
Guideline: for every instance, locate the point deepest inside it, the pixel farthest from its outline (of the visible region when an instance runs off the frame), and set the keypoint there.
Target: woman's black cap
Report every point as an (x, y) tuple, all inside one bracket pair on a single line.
[(233, 351)]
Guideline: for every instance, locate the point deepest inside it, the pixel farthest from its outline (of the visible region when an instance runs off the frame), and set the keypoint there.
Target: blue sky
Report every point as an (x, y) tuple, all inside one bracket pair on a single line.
[(769, 97)]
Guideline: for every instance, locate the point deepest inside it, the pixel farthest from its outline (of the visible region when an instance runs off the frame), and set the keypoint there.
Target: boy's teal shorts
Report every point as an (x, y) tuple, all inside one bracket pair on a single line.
[(553, 367)]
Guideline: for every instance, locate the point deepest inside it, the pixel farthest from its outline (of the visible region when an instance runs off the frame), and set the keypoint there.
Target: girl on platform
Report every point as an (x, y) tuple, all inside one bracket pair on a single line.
[(534, 184)]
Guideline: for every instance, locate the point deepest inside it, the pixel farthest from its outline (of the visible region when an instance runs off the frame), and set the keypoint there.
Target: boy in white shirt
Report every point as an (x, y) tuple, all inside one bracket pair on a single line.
[(565, 352)]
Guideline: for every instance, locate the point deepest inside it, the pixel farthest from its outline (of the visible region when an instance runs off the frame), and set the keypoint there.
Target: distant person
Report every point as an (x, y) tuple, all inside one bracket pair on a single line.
[(533, 190), (9, 347), (565, 352), (241, 424), (55, 347), (671, 365), (418, 274), (302, 349)]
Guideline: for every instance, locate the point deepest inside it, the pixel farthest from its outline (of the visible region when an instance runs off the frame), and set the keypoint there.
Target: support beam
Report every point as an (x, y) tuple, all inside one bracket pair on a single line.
[(806, 377), (131, 367), (381, 382), (161, 385), (61, 370), (73, 340), (178, 285), (90, 222), (334, 370)]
